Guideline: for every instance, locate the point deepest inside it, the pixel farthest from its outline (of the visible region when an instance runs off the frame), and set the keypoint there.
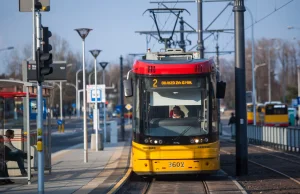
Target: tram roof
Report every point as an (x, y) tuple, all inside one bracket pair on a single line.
[(156, 67)]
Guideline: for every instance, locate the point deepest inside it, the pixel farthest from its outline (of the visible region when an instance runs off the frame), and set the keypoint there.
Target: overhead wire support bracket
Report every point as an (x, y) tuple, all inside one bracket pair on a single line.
[(176, 15), (186, 31), (208, 1), (175, 11)]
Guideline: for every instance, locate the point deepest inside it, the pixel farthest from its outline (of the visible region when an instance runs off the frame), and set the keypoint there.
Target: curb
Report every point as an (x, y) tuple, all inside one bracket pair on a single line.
[(121, 182)]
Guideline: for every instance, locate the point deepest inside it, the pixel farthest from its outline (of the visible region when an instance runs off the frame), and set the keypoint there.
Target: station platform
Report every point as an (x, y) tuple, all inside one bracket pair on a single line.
[(71, 175)]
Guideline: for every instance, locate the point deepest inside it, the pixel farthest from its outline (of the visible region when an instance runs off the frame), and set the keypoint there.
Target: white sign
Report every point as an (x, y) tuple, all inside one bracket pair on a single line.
[(128, 107), (92, 94)]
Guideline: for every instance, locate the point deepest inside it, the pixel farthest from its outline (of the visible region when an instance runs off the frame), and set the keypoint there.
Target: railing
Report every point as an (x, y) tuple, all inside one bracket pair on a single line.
[(283, 138)]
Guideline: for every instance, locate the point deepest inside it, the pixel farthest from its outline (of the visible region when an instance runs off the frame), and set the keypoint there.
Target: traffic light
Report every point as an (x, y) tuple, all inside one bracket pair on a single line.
[(44, 57)]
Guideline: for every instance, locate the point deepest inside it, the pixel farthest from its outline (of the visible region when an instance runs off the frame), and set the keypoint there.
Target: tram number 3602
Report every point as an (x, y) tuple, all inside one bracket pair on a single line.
[(176, 164)]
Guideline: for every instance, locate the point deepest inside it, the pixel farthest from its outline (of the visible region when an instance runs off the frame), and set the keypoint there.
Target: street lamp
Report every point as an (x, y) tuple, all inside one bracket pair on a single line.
[(103, 65), (77, 102), (83, 33), (70, 84), (7, 48), (298, 73), (95, 54)]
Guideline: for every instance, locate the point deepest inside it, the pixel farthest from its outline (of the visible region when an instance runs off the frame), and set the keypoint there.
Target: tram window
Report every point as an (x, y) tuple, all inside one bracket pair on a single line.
[(259, 109), (249, 108)]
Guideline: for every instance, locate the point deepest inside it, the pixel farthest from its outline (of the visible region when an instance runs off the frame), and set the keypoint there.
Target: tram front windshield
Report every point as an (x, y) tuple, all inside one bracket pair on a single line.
[(176, 112)]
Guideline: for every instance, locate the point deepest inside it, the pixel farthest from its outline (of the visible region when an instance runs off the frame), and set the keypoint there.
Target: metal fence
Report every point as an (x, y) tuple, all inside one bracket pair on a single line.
[(284, 138)]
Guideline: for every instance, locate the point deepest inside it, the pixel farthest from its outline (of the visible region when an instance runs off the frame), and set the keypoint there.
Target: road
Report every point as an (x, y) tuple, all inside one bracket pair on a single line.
[(73, 135)]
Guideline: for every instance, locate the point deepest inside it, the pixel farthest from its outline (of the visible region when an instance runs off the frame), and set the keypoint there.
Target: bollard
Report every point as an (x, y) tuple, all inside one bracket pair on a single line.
[(63, 126), (100, 141)]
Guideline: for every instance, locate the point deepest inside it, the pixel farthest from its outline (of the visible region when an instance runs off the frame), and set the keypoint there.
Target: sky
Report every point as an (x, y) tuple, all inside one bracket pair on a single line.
[(114, 24)]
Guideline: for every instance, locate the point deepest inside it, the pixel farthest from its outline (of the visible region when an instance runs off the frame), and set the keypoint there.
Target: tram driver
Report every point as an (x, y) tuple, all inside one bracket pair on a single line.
[(177, 108), (176, 114)]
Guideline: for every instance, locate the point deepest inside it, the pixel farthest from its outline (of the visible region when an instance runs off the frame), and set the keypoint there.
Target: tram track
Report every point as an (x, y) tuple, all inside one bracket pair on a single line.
[(266, 167), (259, 149), (165, 185), (271, 162)]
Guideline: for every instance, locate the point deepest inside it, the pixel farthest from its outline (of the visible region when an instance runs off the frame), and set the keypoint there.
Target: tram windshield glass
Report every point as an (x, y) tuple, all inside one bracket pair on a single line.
[(175, 110)]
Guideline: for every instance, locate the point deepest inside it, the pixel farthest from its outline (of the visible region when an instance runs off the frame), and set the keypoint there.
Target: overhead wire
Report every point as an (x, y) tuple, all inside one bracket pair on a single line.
[(261, 19)]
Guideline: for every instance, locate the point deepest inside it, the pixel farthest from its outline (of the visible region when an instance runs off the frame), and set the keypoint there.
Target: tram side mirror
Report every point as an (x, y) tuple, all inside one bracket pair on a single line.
[(221, 87), (128, 87)]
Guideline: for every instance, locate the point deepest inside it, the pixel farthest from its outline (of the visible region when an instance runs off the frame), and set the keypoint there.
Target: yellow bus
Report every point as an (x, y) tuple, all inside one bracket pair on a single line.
[(260, 111), (276, 115)]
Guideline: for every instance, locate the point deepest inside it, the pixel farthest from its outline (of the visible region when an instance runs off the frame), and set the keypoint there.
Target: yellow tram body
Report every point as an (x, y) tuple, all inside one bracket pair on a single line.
[(175, 113), (187, 159)]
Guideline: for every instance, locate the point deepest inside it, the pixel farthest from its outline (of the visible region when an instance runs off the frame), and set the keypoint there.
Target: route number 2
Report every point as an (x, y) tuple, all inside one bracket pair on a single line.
[(154, 83)]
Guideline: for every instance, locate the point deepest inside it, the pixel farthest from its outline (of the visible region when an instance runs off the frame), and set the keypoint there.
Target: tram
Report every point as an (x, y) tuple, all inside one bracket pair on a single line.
[(175, 113)]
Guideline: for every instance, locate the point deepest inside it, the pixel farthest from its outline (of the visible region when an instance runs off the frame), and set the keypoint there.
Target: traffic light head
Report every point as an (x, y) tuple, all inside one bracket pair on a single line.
[(44, 57), (45, 41)]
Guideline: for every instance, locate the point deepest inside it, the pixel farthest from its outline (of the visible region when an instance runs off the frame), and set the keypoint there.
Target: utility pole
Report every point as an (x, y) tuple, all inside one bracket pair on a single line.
[(200, 29), (122, 99), (34, 31), (39, 108), (269, 77), (182, 42), (240, 90)]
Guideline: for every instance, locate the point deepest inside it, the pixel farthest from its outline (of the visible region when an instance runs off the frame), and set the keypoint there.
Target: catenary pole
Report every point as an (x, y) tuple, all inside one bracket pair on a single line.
[(240, 90), (200, 29)]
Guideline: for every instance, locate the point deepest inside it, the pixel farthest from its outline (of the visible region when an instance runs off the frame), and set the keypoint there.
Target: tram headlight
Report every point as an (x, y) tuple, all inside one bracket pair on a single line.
[(146, 140), (192, 141), (155, 141), (206, 140), (196, 140), (160, 141)]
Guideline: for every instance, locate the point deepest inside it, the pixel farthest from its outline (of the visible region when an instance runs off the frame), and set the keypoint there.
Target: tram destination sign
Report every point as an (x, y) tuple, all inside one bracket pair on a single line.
[(174, 82)]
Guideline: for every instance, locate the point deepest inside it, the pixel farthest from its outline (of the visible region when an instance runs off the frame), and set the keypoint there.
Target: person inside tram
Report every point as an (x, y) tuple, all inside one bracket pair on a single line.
[(14, 154), (177, 108), (176, 114)]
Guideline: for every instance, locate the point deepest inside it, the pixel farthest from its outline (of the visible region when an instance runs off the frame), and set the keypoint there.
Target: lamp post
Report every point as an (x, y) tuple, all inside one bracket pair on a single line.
[(77, 103), (70, 84), (90, 77), (269, 73), (103, 65), (298, 73), (83, 33), (7, 48), (95, 54), (60, 98)]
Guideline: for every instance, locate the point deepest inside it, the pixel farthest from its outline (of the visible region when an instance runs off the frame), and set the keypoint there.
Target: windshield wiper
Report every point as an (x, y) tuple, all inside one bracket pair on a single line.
[(183, 132)]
